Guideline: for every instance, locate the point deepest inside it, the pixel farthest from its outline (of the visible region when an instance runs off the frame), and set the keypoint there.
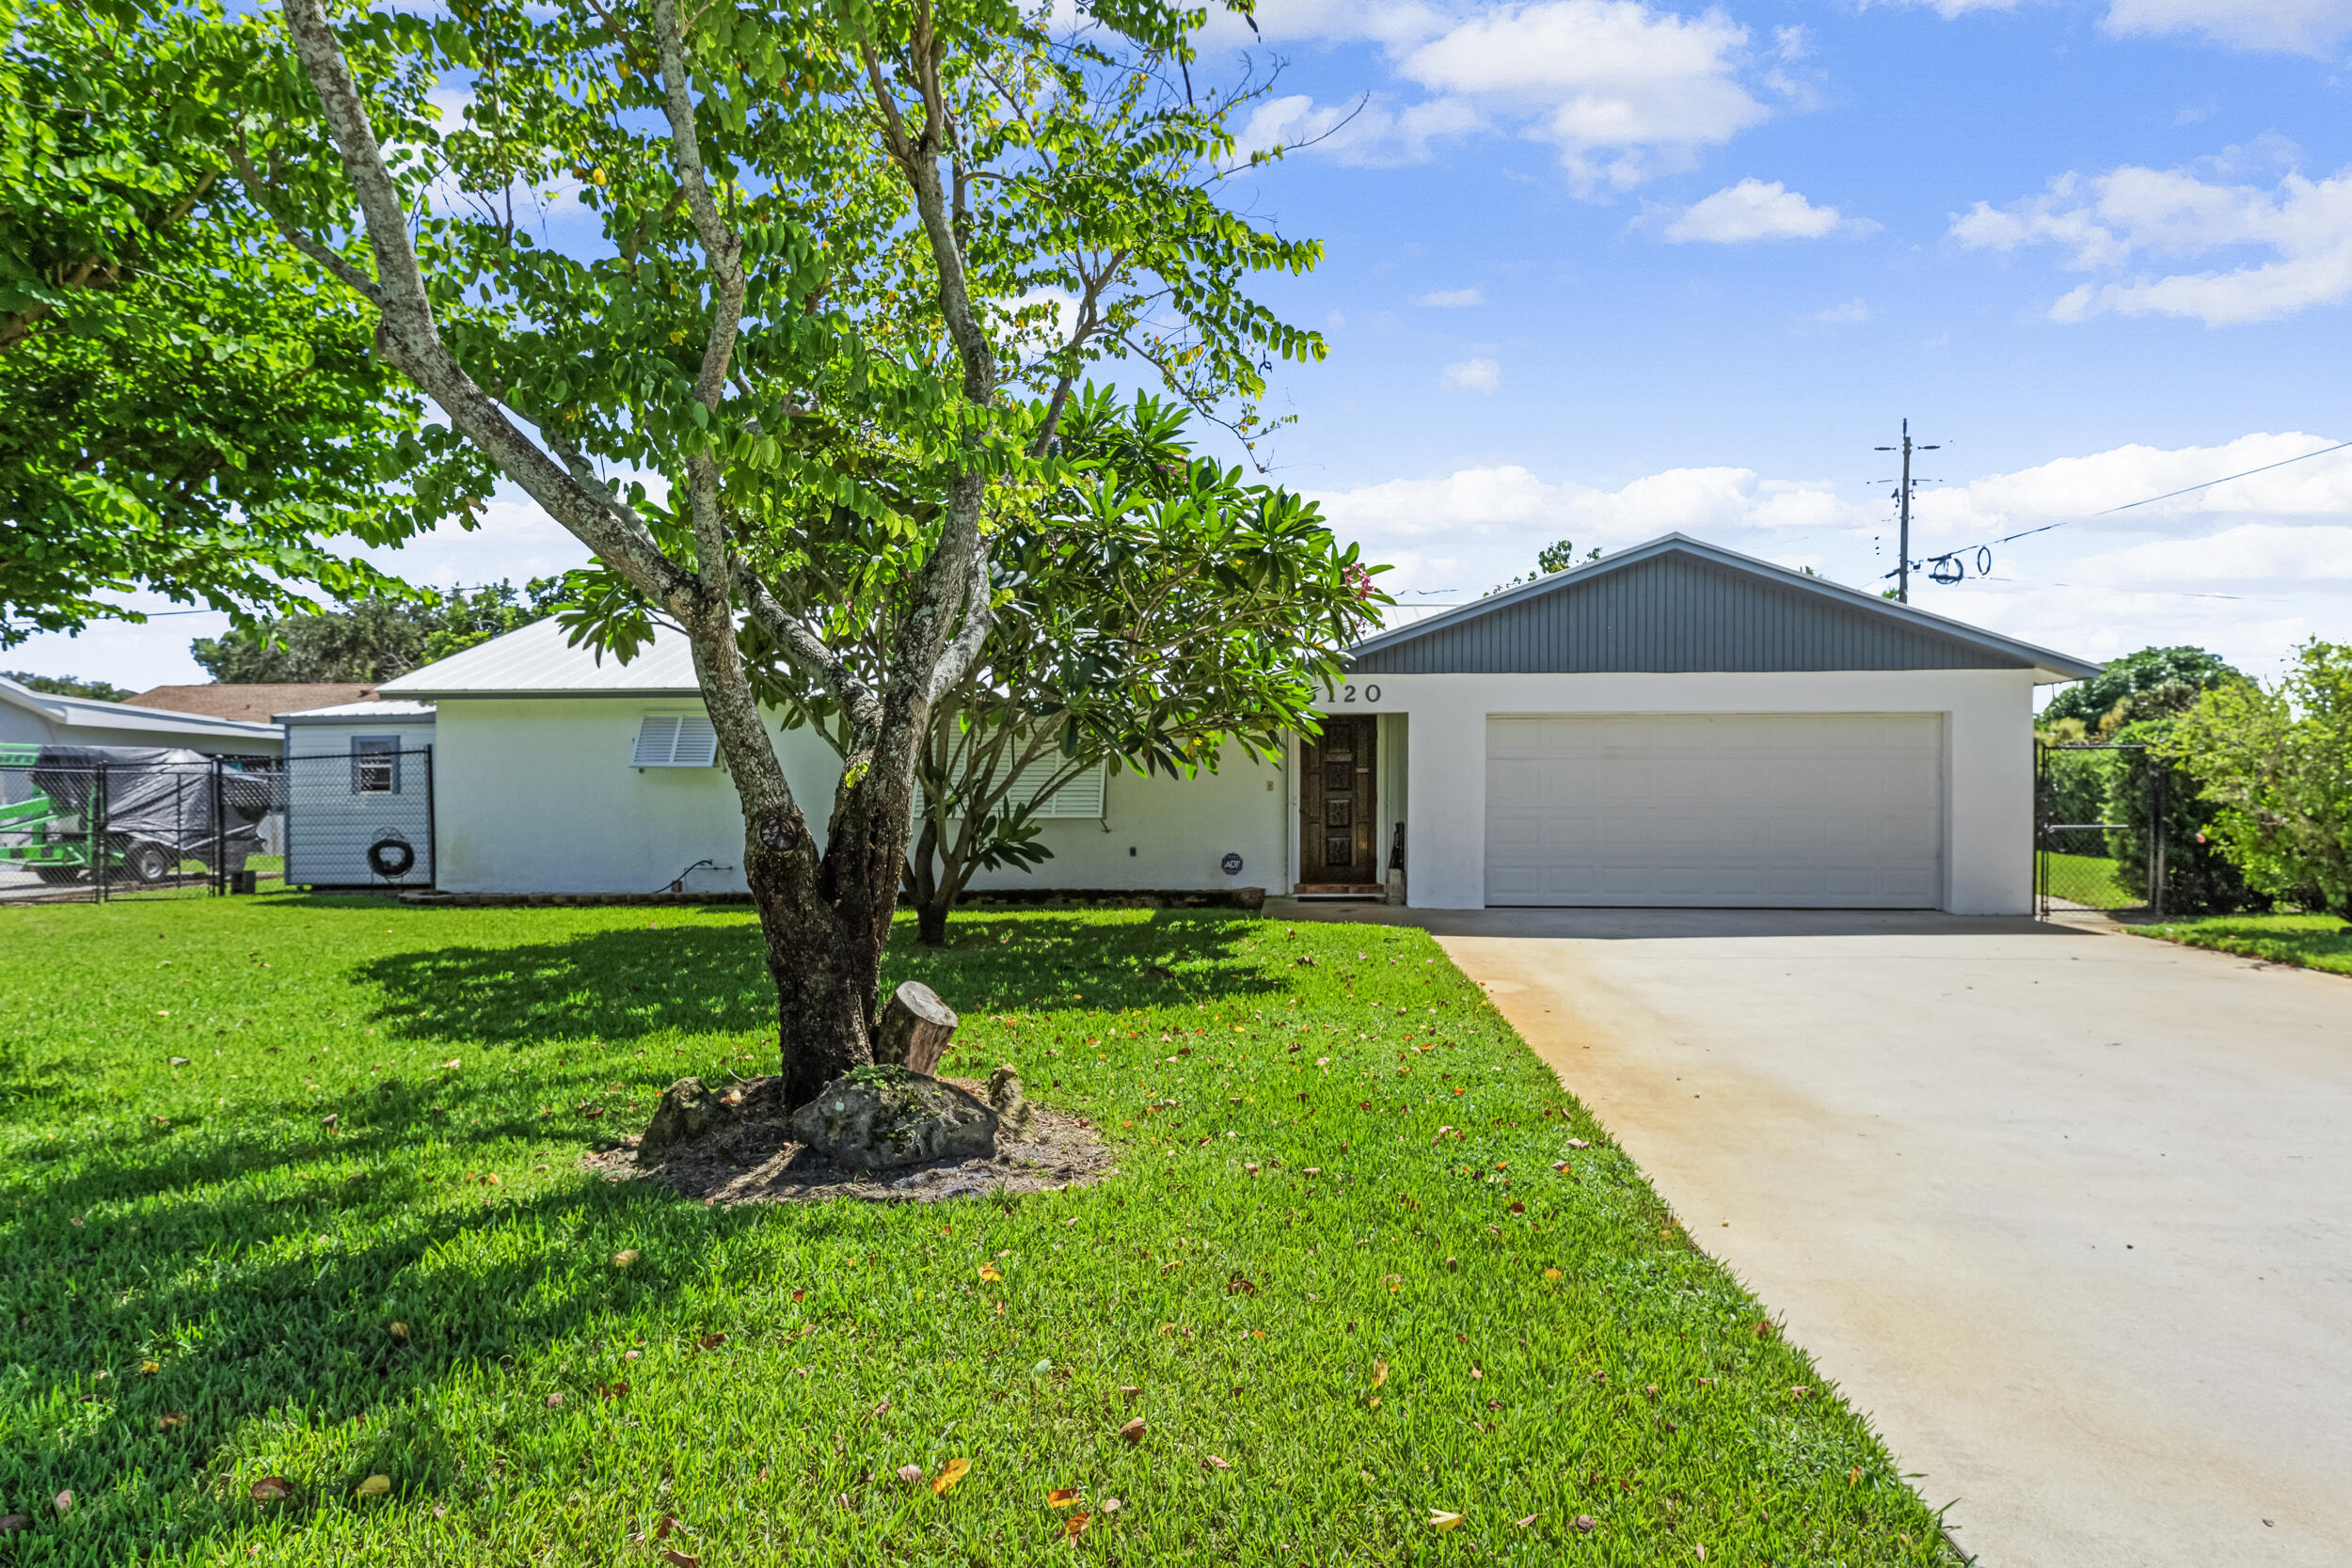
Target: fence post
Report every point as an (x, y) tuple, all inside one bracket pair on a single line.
[(2160, 789), (431, 824), (95, 827), (219, 880)]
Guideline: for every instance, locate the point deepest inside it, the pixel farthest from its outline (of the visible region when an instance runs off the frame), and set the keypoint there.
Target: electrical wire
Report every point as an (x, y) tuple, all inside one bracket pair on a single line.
[(2145, 500)]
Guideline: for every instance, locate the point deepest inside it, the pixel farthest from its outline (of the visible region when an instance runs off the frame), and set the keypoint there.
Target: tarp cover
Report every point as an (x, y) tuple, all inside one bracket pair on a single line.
[(156, 794)]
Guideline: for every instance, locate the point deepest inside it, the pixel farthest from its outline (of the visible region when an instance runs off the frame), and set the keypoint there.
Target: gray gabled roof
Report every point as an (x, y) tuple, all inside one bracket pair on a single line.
[(1678, 604), (90, 713)]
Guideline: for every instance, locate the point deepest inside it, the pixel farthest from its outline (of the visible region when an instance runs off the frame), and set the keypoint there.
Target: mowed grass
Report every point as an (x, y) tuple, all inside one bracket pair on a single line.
[(2312, 941), (1335, 1275)]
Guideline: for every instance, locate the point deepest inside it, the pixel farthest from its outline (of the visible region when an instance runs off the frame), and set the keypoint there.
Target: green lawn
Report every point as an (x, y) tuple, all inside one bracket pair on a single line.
[(2090, 880), (2314, 940), (1327, 1170)]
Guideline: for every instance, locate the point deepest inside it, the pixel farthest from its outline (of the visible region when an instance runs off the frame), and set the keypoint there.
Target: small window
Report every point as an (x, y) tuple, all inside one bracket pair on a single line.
[(1081, 796), (675, 740), (375, 765)]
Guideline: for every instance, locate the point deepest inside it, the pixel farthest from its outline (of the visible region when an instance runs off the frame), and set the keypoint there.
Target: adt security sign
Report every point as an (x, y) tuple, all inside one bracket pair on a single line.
[(1231, 865)]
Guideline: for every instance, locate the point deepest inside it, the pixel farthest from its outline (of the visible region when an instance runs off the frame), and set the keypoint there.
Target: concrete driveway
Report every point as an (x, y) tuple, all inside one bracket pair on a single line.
[(2068, 1212)]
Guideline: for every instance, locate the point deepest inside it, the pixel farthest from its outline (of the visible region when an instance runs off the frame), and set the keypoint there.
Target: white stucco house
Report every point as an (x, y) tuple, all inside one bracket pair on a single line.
[(1675, 724)]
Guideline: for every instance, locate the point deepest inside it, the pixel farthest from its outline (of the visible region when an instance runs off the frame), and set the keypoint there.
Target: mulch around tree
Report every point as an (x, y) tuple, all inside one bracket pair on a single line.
[(753, 1158)]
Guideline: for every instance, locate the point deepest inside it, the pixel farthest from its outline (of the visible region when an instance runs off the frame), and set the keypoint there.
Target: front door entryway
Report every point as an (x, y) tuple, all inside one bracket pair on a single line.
[(1338, 841)]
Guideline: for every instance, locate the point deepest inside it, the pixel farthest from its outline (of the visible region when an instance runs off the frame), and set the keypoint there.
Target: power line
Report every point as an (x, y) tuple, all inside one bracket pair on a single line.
[(1948, 567)]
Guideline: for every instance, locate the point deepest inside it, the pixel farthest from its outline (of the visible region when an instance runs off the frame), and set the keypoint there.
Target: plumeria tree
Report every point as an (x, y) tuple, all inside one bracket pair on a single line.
[(855, 252), (1156, 607)]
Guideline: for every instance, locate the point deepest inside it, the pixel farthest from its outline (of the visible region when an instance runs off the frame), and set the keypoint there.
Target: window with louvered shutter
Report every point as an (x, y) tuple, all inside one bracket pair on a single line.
[(675, 740), (1081, 796)]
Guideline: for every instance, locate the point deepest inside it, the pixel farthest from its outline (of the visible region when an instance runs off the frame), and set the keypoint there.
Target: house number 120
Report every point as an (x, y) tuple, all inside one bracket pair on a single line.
[(1347, 693)]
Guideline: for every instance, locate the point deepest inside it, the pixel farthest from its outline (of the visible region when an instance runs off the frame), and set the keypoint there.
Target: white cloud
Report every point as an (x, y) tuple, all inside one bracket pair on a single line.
[(2302, 495), (1625, 90), (1371, 132), (2294, 27), (1472, 375), (1751, 210), (1852, 313), (1452, 299), (2111, 222)]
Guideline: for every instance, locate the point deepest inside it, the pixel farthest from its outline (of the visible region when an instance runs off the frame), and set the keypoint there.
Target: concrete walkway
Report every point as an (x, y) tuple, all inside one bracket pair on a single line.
[(2068, 1212)]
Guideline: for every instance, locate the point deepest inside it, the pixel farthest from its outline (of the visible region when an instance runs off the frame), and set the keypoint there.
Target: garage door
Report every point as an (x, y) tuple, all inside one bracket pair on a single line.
[(1829, 811)]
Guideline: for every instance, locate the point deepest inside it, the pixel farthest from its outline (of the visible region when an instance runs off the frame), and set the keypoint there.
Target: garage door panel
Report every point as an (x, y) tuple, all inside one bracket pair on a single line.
[(1830, 810)]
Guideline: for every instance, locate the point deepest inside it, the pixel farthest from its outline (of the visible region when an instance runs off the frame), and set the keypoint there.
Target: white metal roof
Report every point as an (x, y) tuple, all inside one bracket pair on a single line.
[(538, 660), (89, 713), (389, 713)]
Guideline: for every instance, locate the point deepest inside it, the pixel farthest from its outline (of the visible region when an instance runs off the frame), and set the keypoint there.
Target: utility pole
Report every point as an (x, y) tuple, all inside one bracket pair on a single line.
[(1902, 497)]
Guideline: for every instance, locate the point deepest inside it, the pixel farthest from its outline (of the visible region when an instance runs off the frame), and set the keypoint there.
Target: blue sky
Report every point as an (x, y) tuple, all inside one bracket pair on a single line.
[(1600, 269)]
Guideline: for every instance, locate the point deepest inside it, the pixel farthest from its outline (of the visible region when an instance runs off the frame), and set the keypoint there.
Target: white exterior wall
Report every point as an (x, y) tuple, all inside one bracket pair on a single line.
[(535, 795), (1988, 716), (1179, 832)]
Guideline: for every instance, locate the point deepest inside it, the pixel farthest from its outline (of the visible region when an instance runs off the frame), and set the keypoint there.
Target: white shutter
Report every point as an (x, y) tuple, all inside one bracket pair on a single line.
[(675, 740), (1081, 796)]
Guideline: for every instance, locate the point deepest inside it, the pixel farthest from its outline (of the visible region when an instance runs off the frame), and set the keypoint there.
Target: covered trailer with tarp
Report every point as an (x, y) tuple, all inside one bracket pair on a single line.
[(131, 814)]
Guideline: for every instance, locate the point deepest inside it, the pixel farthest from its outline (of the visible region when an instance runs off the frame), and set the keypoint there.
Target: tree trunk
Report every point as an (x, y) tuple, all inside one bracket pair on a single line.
[(931, 919), (914, 1029)]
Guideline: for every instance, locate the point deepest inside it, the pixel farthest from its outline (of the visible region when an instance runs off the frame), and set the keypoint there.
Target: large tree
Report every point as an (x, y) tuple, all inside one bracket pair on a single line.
[(377, 638), (179, 411), (2146, 685), (826, 248), (1155, 609)]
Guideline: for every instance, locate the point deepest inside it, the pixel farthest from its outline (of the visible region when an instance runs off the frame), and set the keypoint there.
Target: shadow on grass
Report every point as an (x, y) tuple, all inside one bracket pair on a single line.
[(622, 985), (236, 1253)]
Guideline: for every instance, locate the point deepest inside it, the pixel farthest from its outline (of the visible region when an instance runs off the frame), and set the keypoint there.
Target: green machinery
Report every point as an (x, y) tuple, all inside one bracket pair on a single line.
[(52, 840)]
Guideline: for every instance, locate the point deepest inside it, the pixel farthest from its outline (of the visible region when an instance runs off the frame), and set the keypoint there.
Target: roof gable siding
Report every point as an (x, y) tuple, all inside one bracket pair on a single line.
[(1675, 614)]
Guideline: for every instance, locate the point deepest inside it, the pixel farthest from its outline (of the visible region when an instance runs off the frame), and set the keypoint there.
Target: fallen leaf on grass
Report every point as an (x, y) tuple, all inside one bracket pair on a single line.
[(1578, 1143), (1440, 1520), (374, 1486), (450, 1066), (1552, 1274), (710, 1342), (1586, 1524), (1393, 1281), (400, 1332), (1799, 1390), (680, 1559), (271, 1489), (1129, 1389), (911, 1474), (1379, 1374), (1112, 1505), (1854, 1475), (1217, 1463), (149, 1369), (1518, 1208), (554, 1400), (664, 1526), (11, 1523), (1075, 1525), (624, 1257), (990, 1272), (171, 1419), (1133, 1431), (1529, 1520), (63, 1502), (1061, 1497), (955, 1471)]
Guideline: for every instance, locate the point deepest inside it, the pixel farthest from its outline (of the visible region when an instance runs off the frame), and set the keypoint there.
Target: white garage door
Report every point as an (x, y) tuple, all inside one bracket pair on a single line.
[(1827, 811)]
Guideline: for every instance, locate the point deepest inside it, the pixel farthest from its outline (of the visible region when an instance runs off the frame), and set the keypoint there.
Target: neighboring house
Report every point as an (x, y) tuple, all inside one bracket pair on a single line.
[(257, 701), (359, 794), (1675, 724), (36, 718)]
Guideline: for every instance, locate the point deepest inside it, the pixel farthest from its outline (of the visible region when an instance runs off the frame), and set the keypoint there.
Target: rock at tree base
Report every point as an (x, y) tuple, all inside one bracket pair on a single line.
[(687, 1110), (886, 1117), (1014, 1112)]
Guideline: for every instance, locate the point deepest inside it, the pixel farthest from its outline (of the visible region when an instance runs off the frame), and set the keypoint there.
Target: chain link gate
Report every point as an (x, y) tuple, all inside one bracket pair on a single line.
[(2099, 829), (89, 824)]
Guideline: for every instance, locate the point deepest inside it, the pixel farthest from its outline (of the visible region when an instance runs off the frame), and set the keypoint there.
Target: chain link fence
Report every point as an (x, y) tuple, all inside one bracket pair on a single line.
[(86, 823), (2118, 829)]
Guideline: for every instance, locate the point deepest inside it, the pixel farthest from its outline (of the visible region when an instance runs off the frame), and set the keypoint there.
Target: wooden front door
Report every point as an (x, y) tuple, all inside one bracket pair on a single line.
[(1339, 837)]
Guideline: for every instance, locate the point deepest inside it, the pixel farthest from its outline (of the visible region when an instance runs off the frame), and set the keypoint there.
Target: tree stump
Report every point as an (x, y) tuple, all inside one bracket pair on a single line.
[(913, 1030)]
